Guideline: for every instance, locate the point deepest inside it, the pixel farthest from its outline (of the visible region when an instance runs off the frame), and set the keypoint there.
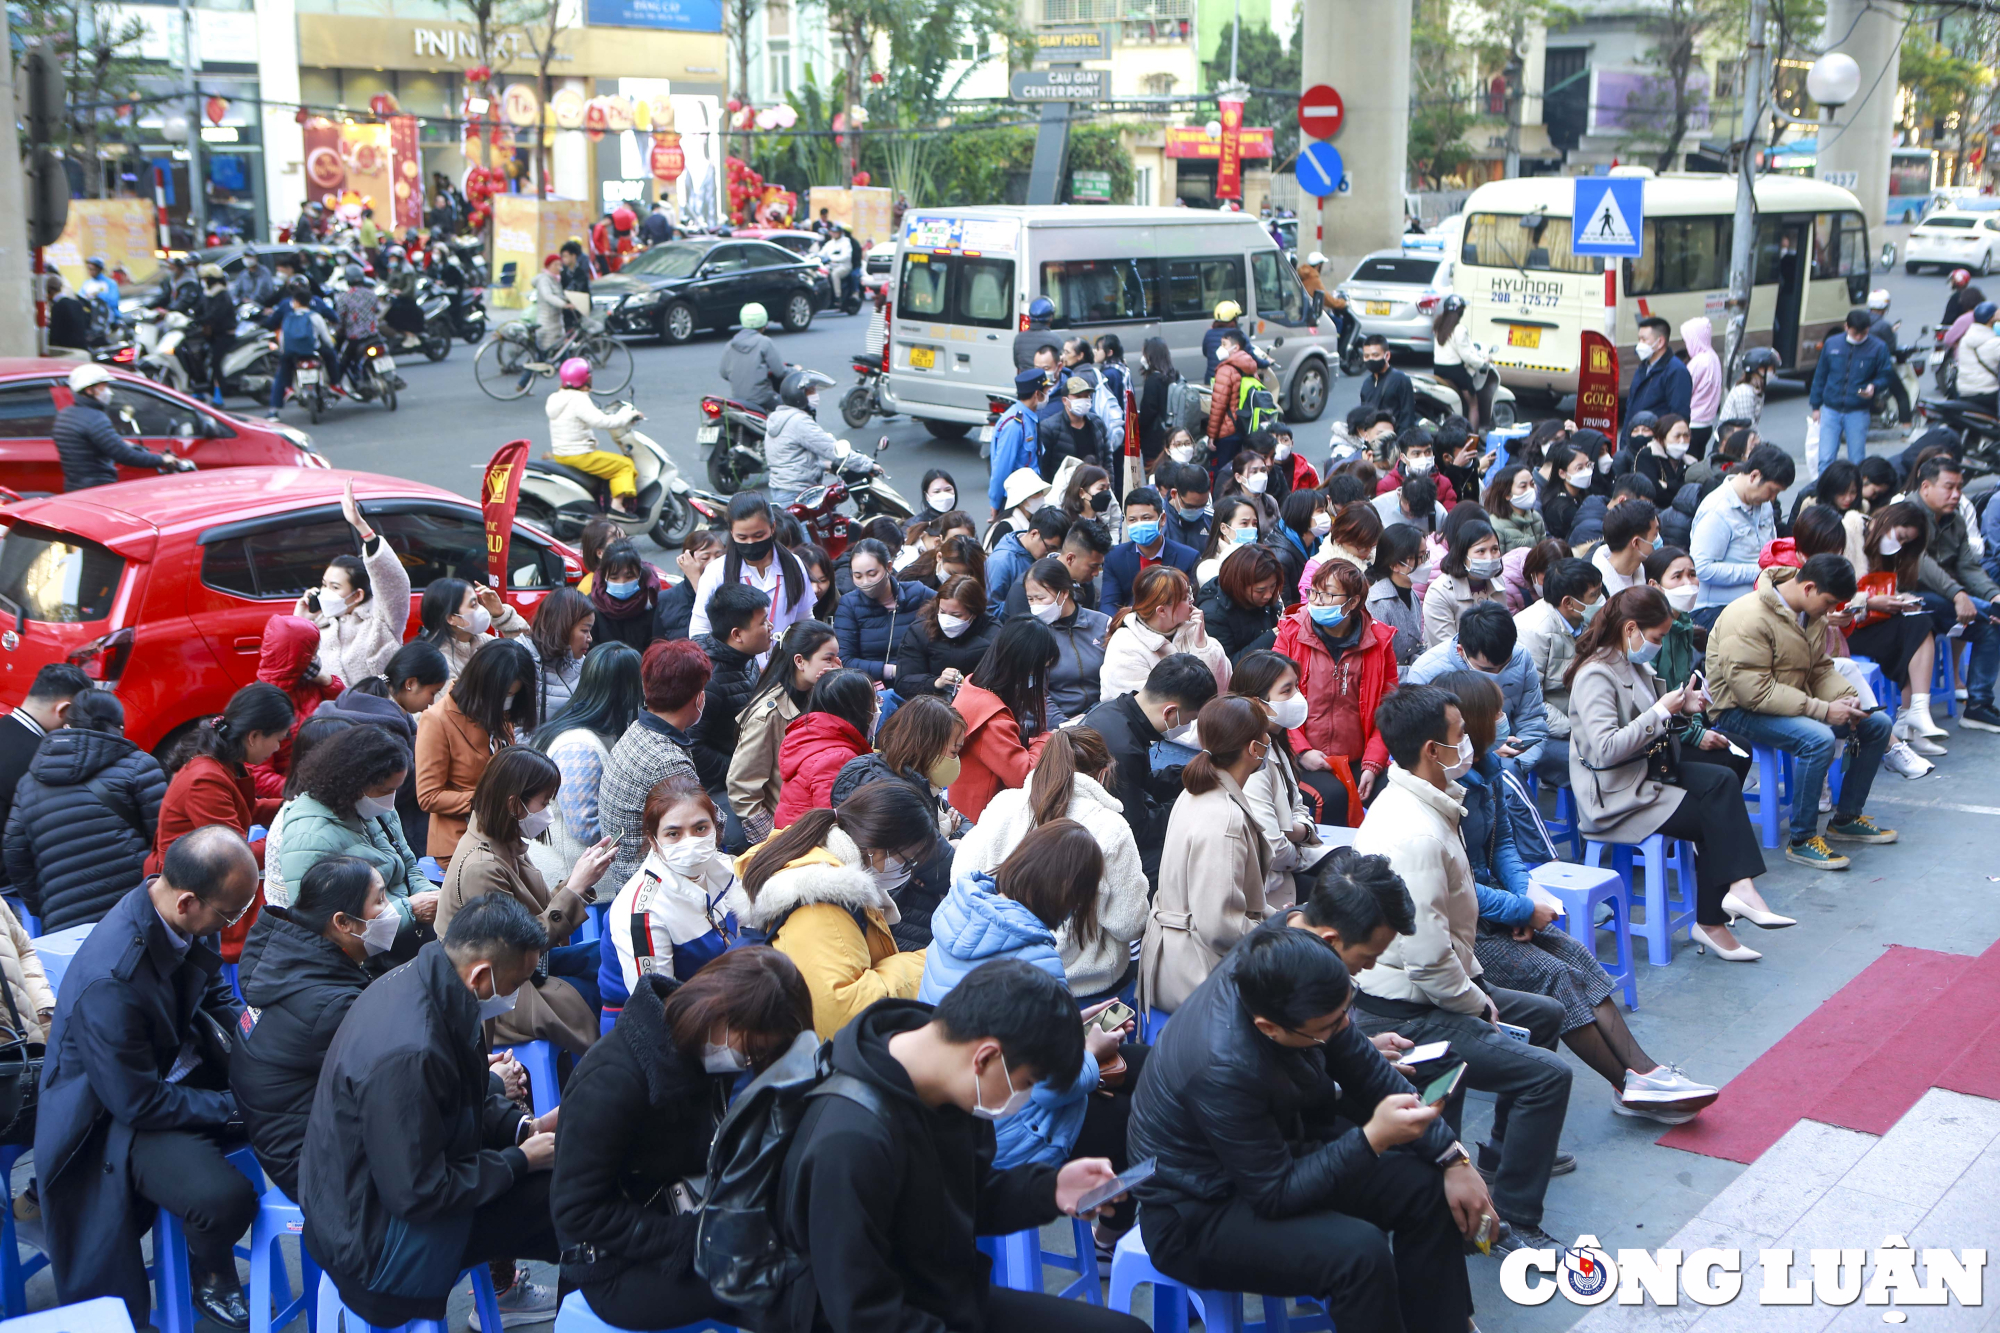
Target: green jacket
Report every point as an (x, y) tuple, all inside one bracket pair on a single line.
[(313, 832), (1525, 528)]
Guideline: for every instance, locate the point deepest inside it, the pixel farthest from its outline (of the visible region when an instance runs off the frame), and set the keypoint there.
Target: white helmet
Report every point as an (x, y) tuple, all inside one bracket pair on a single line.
[(1879, 299), (88, 376), (1316, 259)]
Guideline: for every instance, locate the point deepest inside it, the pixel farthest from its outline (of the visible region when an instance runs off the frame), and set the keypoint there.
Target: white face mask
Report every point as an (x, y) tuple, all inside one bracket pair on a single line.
[(1578, 477), (1077, 406), (1046, 612), (536, 822), (371, 807), (1529, 500), (942, 501), (1677, 448), (497, 1005), (1454, 771), (378, 933), (1322, 524), (953, 626), (477, 620), (1888, 545), (1604, 461), (893, 875), (1682, 598), (723, 1059), (1290, 713), (1283, 450), (1255, 482), (1016, 1098), (334, 603), (689, 854), (1417, 467), (812, 403), (1181, 453)]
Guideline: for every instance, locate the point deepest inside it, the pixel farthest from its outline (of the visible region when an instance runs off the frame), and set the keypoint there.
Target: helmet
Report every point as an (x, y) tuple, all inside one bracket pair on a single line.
[(753, 316), (1453, 304), (1983, 312), (1959, 277), (1316, 259), (299, 287), (208, 272), (396, 252), (1041, 308), (574, 373), (1879, 299), (1227, 312), (354, 274), (1760, 358), (88, 376), (97, 261), (623, 218), (798, 384)]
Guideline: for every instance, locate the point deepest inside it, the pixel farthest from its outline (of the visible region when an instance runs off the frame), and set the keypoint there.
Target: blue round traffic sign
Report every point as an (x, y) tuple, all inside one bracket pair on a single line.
[(1319, 169)]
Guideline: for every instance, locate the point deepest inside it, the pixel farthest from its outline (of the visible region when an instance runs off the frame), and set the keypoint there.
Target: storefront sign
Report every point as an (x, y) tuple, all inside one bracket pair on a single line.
[(668, 162), (1193, 141), (1060, 85), (463, 44), (684, 15), (617, 114), (519, 105), (569, 106), (1065, 45), (357, 42), (1597, 385), (1090, 187)]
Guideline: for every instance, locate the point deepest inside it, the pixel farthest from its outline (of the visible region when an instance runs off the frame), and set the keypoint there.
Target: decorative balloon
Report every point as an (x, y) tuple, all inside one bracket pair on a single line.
[(861, 178), (216, 108)]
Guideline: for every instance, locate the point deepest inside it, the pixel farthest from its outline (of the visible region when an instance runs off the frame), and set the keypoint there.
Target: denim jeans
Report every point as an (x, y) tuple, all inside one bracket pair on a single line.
[(1812, 746), (1981, 634), (1833, 425)]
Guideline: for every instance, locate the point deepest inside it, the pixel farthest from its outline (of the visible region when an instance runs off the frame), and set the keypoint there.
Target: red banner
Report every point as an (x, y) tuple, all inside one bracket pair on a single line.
[(1185, 141), (1597, 385), (1229, 166), (406, 167), (499, 496)]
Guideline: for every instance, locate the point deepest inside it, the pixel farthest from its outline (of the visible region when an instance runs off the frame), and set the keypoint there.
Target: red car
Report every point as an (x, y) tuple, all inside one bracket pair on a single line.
[(151, 415), (161, 588)]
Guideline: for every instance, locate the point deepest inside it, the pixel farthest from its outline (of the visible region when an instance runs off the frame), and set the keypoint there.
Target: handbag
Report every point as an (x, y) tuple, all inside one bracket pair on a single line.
[(20, 1079)]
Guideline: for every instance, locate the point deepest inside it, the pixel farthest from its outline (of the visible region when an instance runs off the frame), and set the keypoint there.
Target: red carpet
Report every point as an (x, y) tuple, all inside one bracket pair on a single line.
[(1864, 1056)]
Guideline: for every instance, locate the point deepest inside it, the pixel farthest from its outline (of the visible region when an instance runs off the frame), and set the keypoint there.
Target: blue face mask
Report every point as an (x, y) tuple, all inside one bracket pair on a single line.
[(1145, 532), (1193, 515), (1327, 616), (1643, 654), (621, 589), (1242, 536)]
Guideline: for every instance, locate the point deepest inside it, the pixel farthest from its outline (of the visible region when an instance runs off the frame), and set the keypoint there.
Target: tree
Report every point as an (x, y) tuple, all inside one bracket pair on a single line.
[(1271, 68), (543, 31), (1440, 96), (97, 46), (1678, 29)]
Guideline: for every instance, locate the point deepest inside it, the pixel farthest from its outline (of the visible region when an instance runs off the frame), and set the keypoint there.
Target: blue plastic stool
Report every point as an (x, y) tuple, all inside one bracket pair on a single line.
[(1581, 889), (1567, 824), (332, 1309), (1220, 1311), (1152, 1022), (576, 1316), (1664, 915), (1774, 788), (174, 1312), (432, 870), (592, 925), (14, 1270), (1018, 1260), (539, 1058), (1945, 675), (277, 1218), (1885, 689)]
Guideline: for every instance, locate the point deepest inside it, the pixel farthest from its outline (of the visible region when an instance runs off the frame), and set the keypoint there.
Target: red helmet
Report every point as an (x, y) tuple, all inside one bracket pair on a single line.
[(1959, 277), (574, 373), (624, 218)]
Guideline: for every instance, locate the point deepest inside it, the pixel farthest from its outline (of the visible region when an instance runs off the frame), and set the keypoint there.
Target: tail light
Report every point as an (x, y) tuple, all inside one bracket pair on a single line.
[(374, 349), (1427, 305), (1024, 323), (103, 659), (126, 355), (888, 327), (711, 409)]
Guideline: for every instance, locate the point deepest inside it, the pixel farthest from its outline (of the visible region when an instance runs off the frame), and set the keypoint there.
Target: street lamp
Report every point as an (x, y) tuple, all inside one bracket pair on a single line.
[(1833, 80)]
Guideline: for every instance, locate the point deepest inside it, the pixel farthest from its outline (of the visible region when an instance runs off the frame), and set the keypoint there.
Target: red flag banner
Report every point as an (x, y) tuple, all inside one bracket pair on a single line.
[(499, 496), (1229, 166), (1597, 385), (1135, 466)]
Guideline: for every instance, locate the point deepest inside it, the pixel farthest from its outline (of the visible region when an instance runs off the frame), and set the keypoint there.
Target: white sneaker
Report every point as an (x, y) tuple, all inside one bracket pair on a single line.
[(1960, 694), (1666, 1089), (1900, 758), (523, 1303)]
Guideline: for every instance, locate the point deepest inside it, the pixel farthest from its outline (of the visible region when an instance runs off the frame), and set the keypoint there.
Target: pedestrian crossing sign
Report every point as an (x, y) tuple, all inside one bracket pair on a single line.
[(1609, 216)]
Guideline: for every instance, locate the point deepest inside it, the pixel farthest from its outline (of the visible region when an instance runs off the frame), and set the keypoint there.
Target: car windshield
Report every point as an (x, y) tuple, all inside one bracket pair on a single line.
[(669, 261), (1416, 271), (52, 576), (1949, 222)]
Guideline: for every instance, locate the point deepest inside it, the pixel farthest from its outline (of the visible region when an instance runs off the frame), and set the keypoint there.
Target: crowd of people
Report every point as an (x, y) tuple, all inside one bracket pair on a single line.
[(1190, 811)]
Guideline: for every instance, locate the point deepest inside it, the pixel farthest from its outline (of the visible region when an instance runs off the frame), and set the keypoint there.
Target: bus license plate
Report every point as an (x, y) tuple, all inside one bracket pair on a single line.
[(1380, 307), (1520, 337), (923, 358), (708, 435)]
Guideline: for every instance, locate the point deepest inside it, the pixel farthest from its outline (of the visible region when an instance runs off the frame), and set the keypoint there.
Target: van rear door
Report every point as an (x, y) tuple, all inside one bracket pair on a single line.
[(956, 312)]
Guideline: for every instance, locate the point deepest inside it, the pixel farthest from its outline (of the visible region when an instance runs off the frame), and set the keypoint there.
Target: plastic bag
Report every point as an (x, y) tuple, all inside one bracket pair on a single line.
[(1810, 472)]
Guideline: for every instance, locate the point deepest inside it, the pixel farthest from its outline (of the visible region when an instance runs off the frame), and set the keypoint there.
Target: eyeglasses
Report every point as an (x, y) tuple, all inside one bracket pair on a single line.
[(1319, 598), (229, 921)]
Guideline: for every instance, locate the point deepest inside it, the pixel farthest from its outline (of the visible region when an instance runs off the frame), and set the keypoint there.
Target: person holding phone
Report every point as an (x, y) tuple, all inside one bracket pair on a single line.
[(1892, 627)]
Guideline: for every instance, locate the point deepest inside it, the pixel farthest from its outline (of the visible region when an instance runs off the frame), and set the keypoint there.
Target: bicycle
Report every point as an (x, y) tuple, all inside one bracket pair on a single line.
[(508, 366)]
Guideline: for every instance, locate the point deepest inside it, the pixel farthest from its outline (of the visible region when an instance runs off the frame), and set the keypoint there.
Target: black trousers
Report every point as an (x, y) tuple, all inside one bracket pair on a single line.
[(1103, 1133), (1713, 817), (645, 1297), (1036, 1312), (1892, 643), (1326, 798), (1386, 1258), (186, 1173), (1480, 399), (1698, 439), (517, 1225)]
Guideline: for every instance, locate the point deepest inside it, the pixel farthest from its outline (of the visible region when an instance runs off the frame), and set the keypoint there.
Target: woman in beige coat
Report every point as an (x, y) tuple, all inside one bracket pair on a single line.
[(1215, 861), (33, 998), (1619, 712), (809, 651), (512, 804)]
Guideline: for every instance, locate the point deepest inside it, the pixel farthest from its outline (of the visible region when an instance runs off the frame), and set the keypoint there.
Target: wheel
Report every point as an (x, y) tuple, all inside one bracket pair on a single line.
[(856, 406), (314, 406), (437, 346), (610, 364), (676, 522), (544, 518), (1909, 267), (723, 476), (798, 312), (1503, 415), (1985, 268), (1308, 397), (386, 384), (677, 323), (501, 369), (945, 430)]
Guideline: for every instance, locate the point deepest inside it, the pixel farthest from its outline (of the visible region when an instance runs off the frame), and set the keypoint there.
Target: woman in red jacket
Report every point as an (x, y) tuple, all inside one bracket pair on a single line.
[(839, 719), (1005, 704), (289, 659), (1347, 662)]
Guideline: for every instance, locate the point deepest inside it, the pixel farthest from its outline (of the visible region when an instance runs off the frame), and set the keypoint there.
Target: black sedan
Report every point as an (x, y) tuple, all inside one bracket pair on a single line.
[(675, 289)]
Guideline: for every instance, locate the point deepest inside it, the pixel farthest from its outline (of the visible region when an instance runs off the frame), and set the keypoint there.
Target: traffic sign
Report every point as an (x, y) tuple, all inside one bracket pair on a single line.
[(1060, 85), (1321, 111), (1319, 170), (1609, 216)]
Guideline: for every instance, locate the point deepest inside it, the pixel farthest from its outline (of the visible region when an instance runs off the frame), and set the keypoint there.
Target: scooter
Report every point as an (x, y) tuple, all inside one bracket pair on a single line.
[(309, 387), (864, 400), (733, 435), (563, 499), (859, 492), (1437, 400), (1887, 413), (1978, 430), (374, 377)]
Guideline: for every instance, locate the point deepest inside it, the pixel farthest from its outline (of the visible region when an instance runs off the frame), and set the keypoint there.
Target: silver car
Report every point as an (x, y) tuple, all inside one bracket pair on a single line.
[(1395, 293)]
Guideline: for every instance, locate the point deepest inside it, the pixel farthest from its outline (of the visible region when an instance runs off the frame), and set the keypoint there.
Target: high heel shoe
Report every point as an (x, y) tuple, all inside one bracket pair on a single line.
[(1703, 942), (1736, 907)]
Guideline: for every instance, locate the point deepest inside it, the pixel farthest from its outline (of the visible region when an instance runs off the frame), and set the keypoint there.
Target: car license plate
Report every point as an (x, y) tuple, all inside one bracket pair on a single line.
[(708, 435), (1380, 307), (923, 358), (1520, 337), (308, 375)]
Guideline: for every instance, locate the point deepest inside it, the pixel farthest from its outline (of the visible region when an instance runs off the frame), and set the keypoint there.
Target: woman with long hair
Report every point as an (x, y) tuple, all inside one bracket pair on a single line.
[(1249, 476), (559, 636), (624, 597), (1088, 495), (1161, 621), (460, 618), (824, 579), (755, 557), (1352, 536), (1572, 475), (1392, 598), (1513, 506), (1304, 522), (1518, 946), (1347, 664), (669, 916), (919, 746), (1469, 573), (675, 609), (1156, 376), (946, 639), (873, 618), (491, 705), (1628, 779), (1241, 605), (1896, 538), (808, 651), (597, 534), (1005, 704), (940, 495), (1237, 524), (1288, 801), (1049, 589), (839, 718), (1464, 364), (1664, 459), (311, 733), (1215, 860), (820, 892), (608, 698)]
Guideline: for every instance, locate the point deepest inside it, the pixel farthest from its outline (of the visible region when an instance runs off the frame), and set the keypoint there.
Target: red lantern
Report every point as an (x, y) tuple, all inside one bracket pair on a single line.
[(861, 179), (478, 74), (303, 116), (215, 107), (735, 104), (875, 76), (383, 104)]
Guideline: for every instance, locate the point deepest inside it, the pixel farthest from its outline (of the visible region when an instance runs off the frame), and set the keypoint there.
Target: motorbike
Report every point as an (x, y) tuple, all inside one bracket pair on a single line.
[(466, 308), (374, 377), (1944, 364), (859, 491), (310, 388), (864, 400), (435, 302), (1887, 413), (563, 499), (733, 435), (1977, 429), (1437, 400)]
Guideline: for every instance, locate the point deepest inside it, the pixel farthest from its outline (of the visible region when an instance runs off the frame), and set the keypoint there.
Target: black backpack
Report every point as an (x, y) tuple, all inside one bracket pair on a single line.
[(740, 1247)]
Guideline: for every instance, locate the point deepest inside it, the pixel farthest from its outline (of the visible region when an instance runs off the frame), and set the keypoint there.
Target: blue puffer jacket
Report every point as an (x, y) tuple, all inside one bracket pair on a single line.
[(1009, 561), (1844, 369), (975, 925), (1503, 842), (869, 632)]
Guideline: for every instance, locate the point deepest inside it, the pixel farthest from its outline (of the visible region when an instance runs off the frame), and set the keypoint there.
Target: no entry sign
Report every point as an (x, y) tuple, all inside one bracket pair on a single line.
[(1320, 111)]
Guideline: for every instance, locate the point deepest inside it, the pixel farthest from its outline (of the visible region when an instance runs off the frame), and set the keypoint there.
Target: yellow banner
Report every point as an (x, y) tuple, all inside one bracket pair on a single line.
[(121, 230), (526, 230)]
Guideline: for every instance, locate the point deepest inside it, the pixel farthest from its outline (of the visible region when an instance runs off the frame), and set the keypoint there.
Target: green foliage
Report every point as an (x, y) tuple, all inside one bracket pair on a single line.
[(1440, 98), (1263, 61), (1943, 81), (1102, 148), (98, 48)]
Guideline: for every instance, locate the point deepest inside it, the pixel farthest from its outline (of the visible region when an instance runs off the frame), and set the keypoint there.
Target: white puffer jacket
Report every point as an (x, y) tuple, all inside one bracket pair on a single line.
[(574, 421), (359, 644), (1133, 651)]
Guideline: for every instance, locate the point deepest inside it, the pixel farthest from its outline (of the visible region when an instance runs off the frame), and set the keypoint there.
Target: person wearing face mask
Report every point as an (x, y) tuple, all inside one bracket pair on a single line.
[(1161, 621), (1631, 533), (1249, 477), (1392, 600), (1075, 430), (839, 719), (754, 557), (393, 701), (1573, 476), (489, 707), (1015, 551), (1346, 661), (1664, 460), (1304, 526), (1383, 388), (623, 597), (513, 803), (447, 1180), (1662, 383), (306, 964), (1235, 367), (1902, 645), (457, 616), (668, 920), (1145, 547), (638, 1119), (948, 636), (1416, 456), (1513, 506), (1081, 634), (1488, 641), (1286, 806), (1468, 575), (1188, 517), (89, 446), (797, 449), (1289, 469), (1236, 526), (919, 746), (808, 651), (1573, 593), (362, 604), (940, 494), (1854, 371)]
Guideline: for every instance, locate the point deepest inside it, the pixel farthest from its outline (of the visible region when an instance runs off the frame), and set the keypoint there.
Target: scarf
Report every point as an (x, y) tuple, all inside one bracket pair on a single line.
[(638, 604)]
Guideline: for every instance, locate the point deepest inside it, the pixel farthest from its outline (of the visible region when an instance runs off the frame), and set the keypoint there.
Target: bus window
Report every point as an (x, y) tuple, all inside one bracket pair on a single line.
[(923, 286), (1279, 296), (1101, 291), (1498, 240), (1683, 255), (1196, 286), (985, 297), (1840, 245)]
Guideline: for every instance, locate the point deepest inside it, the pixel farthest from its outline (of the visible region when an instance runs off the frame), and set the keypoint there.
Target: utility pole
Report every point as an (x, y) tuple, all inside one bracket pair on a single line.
[(1235, 32), (1743, 238), (197, 193), (18, 334)]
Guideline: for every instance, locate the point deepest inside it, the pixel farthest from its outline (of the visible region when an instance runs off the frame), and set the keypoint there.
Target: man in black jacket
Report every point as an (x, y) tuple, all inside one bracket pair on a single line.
[(1249, 1103), (414, 1167), (887, 1202), (739, 623), (1384, 389), (89, 445), (136, 1112), (46, 709), (1074, 431), (1131, 725)]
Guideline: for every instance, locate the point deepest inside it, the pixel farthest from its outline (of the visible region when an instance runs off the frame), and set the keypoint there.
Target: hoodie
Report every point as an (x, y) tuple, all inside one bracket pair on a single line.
[(753, 368), (291, 648), (1705, 369), (815, 749), (71, 854)]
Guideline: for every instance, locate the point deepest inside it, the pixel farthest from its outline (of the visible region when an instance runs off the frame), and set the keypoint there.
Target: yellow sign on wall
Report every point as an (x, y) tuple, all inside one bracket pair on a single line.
[(525, 230), (121, 230), (863, 210)]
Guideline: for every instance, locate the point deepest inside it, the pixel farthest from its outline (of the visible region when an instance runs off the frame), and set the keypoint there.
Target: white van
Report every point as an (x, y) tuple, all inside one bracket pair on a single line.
[(964, 278)]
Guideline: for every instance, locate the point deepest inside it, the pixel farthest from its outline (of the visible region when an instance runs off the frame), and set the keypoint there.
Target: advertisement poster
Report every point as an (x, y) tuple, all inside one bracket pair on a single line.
[(1597, 385), (524, 230), (683, 15), (498, 498), (863, 210), (119, 229), (408, 167)]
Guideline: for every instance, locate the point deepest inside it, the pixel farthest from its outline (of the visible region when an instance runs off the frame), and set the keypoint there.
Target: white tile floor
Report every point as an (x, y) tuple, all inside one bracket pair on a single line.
[(1933, 1179)]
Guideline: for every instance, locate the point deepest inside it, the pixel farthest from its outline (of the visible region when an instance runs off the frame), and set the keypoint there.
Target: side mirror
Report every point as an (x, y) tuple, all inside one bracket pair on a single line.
[(1888, 256)]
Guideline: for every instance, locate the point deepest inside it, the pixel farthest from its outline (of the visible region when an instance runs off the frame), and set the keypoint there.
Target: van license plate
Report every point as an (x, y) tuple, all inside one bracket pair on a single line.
[(708, 435), (1380, 307), (1520, 337), (923, 358)]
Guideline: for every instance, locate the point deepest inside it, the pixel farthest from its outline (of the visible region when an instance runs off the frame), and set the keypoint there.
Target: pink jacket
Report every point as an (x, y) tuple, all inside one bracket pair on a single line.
[(1705, 368)]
